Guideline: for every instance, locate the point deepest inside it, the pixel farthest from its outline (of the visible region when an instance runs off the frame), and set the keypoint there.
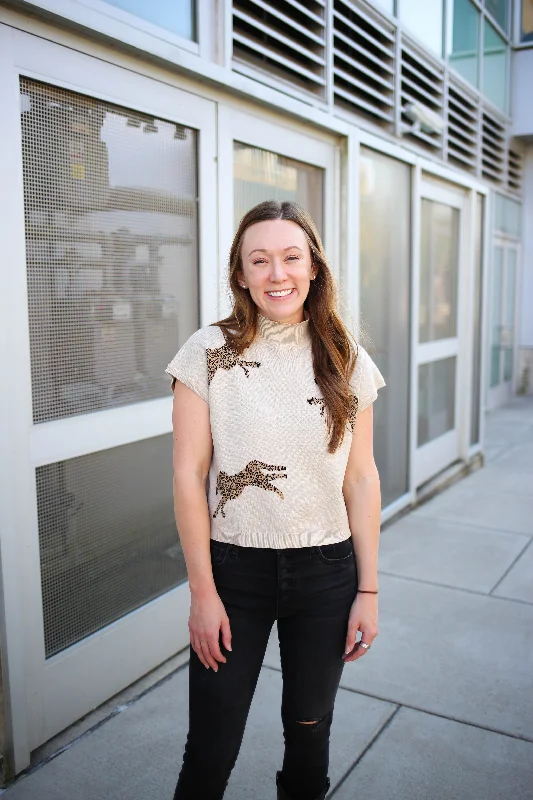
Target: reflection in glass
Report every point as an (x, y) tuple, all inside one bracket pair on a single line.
[(261, 175), (496, 317), (527, 21), (173, 15), (385, 220), (494, 66), (499, 10), (476, 323), (111, 246), (424, 20), (463, 38), (107, 537), (436, 399), (508, 355), (439, 263)]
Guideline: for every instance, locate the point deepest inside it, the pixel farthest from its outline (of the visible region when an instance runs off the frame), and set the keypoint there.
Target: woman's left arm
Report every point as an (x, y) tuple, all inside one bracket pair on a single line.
[(362, 497)]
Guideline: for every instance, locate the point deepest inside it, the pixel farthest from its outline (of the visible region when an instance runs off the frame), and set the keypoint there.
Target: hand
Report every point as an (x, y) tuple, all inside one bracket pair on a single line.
[(363, 617), (207, 620)]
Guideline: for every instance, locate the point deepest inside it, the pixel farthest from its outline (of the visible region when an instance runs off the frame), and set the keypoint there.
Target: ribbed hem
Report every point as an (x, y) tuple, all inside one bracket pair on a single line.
[(283, 541)]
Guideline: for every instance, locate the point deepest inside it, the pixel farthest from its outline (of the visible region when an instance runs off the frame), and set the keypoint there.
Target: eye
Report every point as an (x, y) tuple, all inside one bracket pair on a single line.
[(293, 258), (259, 261)]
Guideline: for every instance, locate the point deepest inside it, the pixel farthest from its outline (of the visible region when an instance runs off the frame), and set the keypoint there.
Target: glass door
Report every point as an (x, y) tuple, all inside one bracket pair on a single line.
[(437, 350), (116, 199), (502, 323)]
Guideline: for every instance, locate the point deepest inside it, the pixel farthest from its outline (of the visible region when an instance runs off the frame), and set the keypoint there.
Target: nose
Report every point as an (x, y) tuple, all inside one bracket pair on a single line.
[(277, 271)]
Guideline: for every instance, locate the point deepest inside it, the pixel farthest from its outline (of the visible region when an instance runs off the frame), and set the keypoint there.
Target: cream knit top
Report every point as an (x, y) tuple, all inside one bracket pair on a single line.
[(272, 482)]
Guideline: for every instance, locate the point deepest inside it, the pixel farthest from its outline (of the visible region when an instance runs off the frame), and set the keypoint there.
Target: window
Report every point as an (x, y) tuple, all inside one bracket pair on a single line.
[(494, 66), (110, 200), (424, 20), (439, 255), (261, 175), (499, 11), (386, 5), (173, 15), (526, 34), (385, 250), (463, 39)]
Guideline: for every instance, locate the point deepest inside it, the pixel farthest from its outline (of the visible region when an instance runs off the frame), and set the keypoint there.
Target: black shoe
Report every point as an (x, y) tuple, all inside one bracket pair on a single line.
[(282, 794)]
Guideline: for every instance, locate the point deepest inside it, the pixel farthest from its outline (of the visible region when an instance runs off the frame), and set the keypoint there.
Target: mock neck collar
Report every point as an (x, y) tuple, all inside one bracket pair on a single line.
[(283, 332)]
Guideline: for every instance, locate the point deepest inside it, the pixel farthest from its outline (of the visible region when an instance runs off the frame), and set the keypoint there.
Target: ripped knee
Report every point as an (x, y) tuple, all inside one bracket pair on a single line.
[(309, 721)]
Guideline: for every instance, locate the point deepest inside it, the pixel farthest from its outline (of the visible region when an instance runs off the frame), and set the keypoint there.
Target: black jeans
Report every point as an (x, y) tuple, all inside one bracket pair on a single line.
[(309, 591)]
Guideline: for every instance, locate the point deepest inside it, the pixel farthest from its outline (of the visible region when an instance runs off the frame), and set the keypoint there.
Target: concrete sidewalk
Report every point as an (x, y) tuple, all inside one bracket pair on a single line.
[(441, 709)]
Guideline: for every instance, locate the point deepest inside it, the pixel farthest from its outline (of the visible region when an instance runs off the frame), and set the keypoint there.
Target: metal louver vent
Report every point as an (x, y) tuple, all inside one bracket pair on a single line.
[(514, 171), (422, 81), (463, 125), (492, 147), (363, 61), (283, 38)]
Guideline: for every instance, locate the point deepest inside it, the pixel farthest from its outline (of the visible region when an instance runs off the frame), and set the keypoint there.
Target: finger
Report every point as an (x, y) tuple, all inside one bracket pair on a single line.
[(226, 634), (198, 650), (214, 648), (207, 655), (351, 636)]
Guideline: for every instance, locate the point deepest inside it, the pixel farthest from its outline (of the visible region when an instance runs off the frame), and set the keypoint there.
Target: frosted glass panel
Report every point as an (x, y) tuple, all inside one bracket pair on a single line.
[(424, 20), (494, 67), (439, 260), (436, 399), (509, 315), (507, 216), (261, 175), (385, 219), (463, 38), (476, 323), (496, 320), (174, 15)]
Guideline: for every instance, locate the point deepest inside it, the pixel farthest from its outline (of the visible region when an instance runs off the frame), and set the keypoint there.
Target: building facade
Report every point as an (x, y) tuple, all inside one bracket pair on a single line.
[(134, 136)]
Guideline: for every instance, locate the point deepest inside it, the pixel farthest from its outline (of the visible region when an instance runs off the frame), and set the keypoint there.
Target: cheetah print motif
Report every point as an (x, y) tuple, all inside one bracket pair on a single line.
[(226, 357), (352, 414), (231, 486)]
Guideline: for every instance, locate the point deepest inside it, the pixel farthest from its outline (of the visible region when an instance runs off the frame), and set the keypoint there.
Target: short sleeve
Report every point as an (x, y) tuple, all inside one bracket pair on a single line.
[(189, 365), (366, 380)]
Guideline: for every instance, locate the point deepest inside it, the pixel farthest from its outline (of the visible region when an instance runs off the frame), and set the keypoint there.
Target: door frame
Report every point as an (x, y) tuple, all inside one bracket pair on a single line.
[(430, 458), (91, 671)]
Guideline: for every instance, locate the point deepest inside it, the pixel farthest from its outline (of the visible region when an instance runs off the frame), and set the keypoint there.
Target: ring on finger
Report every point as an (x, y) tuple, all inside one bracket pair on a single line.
[(365, 646)]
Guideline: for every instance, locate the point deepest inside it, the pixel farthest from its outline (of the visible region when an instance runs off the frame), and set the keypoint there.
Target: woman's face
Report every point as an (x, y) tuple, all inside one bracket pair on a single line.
[(277, 269)]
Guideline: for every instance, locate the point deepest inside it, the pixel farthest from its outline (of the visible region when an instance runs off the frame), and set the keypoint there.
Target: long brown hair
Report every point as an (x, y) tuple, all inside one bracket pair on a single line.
[(334, 351)]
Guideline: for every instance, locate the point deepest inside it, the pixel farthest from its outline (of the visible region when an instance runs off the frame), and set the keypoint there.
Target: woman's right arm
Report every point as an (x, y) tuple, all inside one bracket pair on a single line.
[(193, 449)]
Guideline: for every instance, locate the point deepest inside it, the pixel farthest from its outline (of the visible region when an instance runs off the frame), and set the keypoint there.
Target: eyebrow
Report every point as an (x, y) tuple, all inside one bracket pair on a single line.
[(262, 250)]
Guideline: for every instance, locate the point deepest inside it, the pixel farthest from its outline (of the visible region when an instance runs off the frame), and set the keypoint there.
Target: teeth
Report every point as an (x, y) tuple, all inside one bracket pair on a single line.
[(280, 294)]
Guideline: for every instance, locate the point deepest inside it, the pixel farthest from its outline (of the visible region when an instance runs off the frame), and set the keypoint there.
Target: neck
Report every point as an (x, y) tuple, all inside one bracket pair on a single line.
[(290, 333)]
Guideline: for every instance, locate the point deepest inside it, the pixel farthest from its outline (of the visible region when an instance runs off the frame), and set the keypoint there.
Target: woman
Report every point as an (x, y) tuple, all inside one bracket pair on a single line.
[(273, 404)]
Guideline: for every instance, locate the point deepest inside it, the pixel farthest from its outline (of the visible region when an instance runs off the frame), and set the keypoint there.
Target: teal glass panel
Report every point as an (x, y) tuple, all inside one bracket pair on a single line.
[(463, 39), (173, 15), (507, 216), (499, 10), (494, 66)]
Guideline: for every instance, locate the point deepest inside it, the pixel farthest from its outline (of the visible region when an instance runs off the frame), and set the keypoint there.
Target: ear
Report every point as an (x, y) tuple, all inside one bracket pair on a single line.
[(240, 278)]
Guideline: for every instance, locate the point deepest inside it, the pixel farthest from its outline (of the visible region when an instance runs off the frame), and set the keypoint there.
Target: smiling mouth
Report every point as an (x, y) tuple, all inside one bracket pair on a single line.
[(280, 293)]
